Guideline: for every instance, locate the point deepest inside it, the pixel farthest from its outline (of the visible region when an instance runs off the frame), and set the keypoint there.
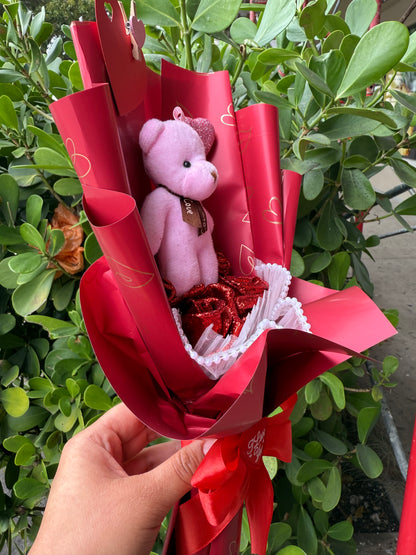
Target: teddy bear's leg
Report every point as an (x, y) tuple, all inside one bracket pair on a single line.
[(182, 269), (208, 264)]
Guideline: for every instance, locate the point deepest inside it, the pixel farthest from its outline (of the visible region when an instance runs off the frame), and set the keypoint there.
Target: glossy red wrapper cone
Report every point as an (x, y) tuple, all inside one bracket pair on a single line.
[(124, 303)]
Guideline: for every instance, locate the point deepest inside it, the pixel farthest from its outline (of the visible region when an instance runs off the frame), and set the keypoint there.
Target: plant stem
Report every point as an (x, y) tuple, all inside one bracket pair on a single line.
[(186, 35), (240, 64)]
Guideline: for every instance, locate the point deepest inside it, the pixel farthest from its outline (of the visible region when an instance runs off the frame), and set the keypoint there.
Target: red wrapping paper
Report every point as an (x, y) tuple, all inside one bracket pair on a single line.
[(254, 208)]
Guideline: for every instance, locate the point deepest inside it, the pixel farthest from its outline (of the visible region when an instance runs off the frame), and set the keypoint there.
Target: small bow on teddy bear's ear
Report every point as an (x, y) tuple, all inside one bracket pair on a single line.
[(202, 126)]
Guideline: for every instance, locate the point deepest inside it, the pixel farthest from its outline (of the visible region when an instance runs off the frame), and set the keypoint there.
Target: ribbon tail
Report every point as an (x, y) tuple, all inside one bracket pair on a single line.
[(193, 531), (259, 505)]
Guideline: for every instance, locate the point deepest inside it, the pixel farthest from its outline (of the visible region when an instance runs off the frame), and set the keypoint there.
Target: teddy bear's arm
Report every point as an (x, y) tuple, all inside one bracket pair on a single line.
[(154, 213)]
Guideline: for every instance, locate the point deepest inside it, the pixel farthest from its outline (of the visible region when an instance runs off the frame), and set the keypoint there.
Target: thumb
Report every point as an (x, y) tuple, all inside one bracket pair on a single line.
[(172, 478)]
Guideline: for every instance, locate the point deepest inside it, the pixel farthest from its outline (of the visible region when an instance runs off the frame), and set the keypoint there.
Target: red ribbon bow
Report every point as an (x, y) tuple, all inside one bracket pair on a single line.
[(232, 473)]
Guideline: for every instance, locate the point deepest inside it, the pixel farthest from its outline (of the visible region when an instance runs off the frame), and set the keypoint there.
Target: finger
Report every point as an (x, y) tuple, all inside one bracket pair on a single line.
[(120, 424), (151, 457), (169, 481)]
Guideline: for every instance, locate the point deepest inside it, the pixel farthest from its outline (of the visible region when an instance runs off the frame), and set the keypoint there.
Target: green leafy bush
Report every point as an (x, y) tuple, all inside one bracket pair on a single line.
[(317, 68)]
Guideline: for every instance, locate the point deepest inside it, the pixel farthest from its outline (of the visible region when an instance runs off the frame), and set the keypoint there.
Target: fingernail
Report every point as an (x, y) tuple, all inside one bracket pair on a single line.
[(208, 443)]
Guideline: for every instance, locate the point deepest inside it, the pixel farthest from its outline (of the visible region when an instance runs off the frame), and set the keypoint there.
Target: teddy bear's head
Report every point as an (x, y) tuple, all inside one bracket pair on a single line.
[(174, 156)]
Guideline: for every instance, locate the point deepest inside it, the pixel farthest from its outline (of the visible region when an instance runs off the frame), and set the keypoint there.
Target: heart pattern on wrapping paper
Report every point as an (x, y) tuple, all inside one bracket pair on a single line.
[(229, 117), (134, 279), (273, 212), (81, 162), (247, 260)]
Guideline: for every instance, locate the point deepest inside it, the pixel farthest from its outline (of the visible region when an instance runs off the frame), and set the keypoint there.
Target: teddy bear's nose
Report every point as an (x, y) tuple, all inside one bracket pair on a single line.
[(214, 175)]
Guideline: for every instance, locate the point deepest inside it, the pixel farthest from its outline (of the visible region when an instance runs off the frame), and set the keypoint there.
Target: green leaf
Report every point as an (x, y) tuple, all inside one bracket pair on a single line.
[(34, 416), (369, 461), (338, 270), (37, 23), (313, 449), (333, 490), (306, 534), (405, 171), (62, 294), (366, 420), (341, 531), (14, 443), (157, 12), (75, 77), (336, 387), (297, 266), (369, 113), (92, 250), (47, 140), (322, 409), (53, 162), (67, 187), (52, 325), (7, 323), (313, 182), (359, 14), (333, 41), (66, 423), (390, 365), (25, 263), (343, 126), (358, 191), (271, 466), (276, 17), (27, 488), (72, 387), (34, 207), (271, 98), (213, 16), (56, 241), (96, 398), (291, 550), (328, 233), (25, 455), (410, 56), (65, 406), (279, 533), (312, 391), (332, 444), (316, 489), (314, 79), (32, 237), (15, 401), (9, 198), (310, 469), (11, 373), (276, 56), (242, 29), (27, 298), (387, 43), (8, 279), (8, 116), (312, 18)]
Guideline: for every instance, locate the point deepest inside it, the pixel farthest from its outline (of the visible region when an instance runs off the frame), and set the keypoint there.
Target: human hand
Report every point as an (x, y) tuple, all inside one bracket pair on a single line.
[(110, 494)]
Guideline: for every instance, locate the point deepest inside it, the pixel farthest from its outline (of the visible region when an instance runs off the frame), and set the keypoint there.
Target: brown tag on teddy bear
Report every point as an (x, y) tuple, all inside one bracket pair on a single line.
[(193, 214)]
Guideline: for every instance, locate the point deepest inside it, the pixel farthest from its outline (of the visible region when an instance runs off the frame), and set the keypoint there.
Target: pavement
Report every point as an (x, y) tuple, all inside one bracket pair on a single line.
[(393, 273)]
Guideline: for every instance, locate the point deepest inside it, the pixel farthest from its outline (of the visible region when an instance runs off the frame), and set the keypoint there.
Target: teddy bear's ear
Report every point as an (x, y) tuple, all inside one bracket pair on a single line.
[(150, 133)]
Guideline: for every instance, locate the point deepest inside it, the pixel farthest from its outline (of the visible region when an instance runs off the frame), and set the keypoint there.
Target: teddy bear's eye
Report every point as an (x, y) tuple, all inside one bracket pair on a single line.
[(187, 164)]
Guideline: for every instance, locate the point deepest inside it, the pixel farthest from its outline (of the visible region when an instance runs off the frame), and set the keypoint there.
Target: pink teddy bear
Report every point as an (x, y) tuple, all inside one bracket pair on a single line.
[(177, 226)]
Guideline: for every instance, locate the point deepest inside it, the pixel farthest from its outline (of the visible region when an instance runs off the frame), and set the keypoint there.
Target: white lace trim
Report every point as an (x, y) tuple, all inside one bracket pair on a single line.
[(274, 310)]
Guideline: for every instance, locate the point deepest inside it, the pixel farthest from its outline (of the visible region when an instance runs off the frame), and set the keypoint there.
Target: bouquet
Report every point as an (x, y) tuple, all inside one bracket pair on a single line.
[(180, 391)]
